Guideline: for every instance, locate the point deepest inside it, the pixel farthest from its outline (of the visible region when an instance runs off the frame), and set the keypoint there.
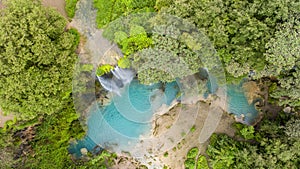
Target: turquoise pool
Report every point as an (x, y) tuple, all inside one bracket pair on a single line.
[(238, 104), (128, 116)]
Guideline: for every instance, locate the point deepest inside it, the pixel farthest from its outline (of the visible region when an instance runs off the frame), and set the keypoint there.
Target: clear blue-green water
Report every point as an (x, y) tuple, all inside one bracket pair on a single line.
[(238, 104), (127, 116)]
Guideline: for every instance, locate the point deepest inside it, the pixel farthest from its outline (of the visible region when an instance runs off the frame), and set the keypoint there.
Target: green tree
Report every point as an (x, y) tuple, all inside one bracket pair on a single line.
[(135, 41), (238, 29), (109, 10), (283, 62), (277, 148), (71, 7), (37, 57), (52, 139), (170, 57)]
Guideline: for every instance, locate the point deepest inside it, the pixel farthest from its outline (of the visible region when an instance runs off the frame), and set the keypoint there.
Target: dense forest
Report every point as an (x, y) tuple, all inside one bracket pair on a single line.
[(254, 39)]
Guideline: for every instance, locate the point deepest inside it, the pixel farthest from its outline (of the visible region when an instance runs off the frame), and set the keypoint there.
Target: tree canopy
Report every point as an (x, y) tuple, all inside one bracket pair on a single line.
[(109, 10), (238, 29), (283, 62), (37, 56), (270, 146)]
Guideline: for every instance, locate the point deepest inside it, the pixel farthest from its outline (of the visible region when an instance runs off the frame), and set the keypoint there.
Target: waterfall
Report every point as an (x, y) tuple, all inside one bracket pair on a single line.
[(120, 78), (125, 75)]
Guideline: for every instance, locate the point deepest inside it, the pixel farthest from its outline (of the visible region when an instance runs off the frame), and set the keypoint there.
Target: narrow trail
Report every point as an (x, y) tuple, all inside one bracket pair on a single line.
[(4, 118), (96, 50)]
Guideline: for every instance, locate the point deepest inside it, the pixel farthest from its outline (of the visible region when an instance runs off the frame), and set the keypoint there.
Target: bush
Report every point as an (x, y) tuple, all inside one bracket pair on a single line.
[(71, 7), (193, 153), (104, 69), (202, 162), (277, 147), (109, 10), (76, 34), (189, 163), (124, 62)]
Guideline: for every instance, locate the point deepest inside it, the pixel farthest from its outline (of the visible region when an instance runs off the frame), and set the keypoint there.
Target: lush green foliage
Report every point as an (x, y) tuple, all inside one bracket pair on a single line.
[(124, 62), (277, 148), (190, 162), (292, 129), (246, 132), (52, 139), (135, 41), (7, 149), (71, 7), (36, 58), (77, 36), (194, 161), (238, 29), (202, 162), (102, 161), (103, 69), (283, 62), (170, 57), (193, 153), (171, 43), (109, 10)]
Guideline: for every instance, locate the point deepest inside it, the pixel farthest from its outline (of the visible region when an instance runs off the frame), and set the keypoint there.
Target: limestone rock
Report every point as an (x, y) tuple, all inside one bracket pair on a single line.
[(83, 151)]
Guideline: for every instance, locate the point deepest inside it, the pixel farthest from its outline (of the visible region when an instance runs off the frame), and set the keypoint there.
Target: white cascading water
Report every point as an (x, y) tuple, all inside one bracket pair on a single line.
[(121, 77), (125, 75)]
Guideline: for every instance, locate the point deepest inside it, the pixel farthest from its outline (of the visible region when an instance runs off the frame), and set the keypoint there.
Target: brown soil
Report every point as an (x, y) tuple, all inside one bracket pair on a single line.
[(1, 4), (252, 91), (3, 119), (58, 5)]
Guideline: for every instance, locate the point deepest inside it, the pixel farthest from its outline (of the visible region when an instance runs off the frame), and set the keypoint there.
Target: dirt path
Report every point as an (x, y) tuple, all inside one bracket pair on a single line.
[(1, 4), (3, 118), (58, 5)]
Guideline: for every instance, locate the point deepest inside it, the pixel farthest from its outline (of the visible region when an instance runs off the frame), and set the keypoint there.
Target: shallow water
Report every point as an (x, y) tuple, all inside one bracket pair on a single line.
[(238, 104), (119, 125)]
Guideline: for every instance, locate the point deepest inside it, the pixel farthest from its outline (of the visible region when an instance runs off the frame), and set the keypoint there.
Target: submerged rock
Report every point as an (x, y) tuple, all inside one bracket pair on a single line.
[(83, 151), (251, 91)]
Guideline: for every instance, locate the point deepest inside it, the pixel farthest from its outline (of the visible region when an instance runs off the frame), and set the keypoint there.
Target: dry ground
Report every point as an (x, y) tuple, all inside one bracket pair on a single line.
[(176, 156), (3, 118), (59, 5)]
